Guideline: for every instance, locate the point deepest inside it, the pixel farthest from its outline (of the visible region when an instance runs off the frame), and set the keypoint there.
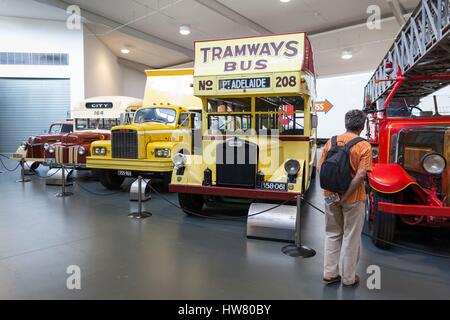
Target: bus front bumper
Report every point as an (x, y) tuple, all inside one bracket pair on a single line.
[(234, 192), (141, 165)]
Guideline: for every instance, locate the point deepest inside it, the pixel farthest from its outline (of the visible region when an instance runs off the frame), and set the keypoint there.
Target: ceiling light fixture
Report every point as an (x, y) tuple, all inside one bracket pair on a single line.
[(285, 1), (185, 30), (125, 50), (346, 55)]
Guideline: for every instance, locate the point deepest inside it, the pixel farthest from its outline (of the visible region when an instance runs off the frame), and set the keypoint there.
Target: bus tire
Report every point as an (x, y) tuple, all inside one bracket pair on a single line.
[(383, 224), (109, 179), (191, 203)]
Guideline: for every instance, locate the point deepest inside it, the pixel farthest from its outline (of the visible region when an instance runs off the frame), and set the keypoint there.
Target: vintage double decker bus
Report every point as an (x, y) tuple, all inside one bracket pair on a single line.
[(258, 124)]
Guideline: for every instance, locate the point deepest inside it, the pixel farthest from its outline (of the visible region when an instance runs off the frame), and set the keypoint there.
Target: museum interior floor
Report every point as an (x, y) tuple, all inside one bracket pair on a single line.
[(173, 256)]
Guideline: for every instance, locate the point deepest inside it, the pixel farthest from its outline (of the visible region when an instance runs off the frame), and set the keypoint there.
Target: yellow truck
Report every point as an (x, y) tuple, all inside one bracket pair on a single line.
[(259, 122), (163, 127)]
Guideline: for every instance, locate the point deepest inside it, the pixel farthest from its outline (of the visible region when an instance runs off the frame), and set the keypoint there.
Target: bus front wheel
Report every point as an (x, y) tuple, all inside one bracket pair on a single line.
[(191, 203)]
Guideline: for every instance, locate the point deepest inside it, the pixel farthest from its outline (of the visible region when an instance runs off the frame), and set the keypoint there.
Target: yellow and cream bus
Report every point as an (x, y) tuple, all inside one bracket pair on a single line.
[(258, 121)]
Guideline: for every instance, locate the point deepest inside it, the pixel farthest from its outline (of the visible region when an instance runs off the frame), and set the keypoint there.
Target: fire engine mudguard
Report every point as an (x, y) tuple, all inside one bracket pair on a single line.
[(389, 178)]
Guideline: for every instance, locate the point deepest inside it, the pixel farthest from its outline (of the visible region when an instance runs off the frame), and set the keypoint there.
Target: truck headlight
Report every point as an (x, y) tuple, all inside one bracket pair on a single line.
[(434, 163), (162, 153), (81, 151), (51, 149), (99, 151), (179, 160), (292, 167), (24, 145), (46, 145)]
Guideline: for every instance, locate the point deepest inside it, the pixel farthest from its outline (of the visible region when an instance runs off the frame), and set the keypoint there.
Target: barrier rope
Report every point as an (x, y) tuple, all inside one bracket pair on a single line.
[(4, 166), (236, 218), (98, 193), (388, 242)]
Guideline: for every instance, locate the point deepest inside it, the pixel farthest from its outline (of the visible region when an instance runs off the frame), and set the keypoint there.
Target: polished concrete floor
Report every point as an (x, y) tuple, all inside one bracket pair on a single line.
[(172, 256)]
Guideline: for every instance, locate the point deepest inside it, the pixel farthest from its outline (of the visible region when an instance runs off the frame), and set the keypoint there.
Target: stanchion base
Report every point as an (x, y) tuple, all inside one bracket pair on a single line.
[(24, 180), (293, 251), (64, 194), (140, 216)]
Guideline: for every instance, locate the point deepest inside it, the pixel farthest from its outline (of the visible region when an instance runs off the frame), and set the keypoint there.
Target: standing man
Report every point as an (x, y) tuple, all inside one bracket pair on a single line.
[(345, 210)]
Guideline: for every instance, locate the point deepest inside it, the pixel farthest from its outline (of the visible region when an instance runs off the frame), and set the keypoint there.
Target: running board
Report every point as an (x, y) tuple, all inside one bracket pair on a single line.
[(276, 224)]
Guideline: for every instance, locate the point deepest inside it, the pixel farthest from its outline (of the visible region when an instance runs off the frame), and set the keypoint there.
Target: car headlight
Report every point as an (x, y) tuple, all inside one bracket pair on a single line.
[(162, 153), (100, 151), (179, 160), (46, 145), (51, 149), (434, 163), (81, 151), (292, 167)]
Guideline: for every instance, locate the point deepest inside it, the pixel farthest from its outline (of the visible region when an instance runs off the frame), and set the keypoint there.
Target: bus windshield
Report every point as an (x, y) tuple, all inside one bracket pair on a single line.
[(162, 115), (94, 124)]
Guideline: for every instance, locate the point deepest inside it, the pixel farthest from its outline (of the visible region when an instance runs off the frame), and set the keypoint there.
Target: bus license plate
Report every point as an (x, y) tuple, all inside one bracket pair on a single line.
[(123, 173), (274, 186)]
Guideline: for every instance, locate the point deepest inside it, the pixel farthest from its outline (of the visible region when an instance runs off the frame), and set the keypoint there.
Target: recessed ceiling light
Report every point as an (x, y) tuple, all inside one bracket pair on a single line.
[(346, 55), (125, 50), (285, 1), (185, 30)]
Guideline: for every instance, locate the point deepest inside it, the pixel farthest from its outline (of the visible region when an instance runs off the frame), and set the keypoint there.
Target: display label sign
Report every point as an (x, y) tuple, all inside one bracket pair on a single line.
[(250, 83), (278, 53), (99, 105)]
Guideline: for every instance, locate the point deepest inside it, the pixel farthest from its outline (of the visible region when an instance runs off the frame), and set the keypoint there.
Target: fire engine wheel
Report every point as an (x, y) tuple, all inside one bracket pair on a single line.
[(191, 203), (109, 179), (383, 224)]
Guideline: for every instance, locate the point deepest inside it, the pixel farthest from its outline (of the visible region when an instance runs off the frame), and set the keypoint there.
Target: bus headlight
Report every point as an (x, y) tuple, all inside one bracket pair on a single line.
[(81, 151), (179, 160), (162, 153), (99, 151), (292, 167), (51, 149), (434, 163)]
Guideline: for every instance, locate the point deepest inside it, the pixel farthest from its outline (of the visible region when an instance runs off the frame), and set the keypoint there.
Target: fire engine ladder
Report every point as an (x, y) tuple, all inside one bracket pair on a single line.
[(421, 48)]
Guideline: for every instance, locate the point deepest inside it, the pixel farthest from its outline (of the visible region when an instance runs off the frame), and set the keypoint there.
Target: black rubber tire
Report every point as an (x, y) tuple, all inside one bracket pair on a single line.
[(313, 173), (34, 166), (191, 203), (384, 224), (109, 179), (166, 179)]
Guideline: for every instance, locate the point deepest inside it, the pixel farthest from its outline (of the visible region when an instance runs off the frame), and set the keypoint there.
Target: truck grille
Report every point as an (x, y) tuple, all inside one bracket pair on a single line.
[(236, 164), (124, 144)]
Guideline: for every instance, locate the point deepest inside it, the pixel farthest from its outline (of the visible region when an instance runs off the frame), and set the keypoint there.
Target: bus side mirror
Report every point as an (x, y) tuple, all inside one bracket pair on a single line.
[(314, 121)]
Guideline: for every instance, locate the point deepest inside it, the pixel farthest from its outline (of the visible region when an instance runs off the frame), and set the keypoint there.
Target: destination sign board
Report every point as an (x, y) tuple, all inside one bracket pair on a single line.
[(249, 83), (99, 105)]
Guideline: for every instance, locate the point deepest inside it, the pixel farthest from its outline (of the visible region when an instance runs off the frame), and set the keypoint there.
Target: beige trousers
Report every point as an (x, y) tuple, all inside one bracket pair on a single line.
[(343, 226)]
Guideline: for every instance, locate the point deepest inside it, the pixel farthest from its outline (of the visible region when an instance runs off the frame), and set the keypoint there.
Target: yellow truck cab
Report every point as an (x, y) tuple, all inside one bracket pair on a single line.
[(163, 127), (259, 122)]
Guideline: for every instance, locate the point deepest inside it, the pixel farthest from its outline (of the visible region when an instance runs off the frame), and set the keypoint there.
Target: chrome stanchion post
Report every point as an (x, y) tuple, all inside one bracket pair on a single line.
[(22, 172), (140, 214), (297, 249), (63, 193)]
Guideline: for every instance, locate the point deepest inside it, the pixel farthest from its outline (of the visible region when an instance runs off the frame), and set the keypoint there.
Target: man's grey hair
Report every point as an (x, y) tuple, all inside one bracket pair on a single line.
[(355, 120)]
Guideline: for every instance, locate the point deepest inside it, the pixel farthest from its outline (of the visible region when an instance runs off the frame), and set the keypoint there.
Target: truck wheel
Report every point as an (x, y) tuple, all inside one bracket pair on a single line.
[(383, 224), (166, 178), (109, 179), (313, 172), (191, 203)]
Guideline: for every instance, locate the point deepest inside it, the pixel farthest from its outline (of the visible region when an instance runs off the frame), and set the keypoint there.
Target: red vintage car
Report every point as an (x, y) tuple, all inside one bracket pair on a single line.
[(410, 179), (33, 149)]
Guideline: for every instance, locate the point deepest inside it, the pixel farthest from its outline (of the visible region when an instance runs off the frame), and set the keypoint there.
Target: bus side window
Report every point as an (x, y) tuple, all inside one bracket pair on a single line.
[(183, 121)]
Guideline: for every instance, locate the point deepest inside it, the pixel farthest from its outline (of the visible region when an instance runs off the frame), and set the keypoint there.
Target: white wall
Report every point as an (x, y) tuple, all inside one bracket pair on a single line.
[(42, 36), (133, 83), (345, 92)]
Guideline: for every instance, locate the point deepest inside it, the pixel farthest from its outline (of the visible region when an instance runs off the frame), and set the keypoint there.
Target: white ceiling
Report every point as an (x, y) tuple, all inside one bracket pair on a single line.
[(162, 19)]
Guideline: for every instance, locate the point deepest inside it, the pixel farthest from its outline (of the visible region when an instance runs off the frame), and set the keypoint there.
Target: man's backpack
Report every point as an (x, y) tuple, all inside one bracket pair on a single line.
[(335, 172)]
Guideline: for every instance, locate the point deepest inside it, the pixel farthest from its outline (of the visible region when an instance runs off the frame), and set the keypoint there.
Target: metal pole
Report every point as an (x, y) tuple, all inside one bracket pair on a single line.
[(22, 172), (140, 214), (63, 185), (297, 249)]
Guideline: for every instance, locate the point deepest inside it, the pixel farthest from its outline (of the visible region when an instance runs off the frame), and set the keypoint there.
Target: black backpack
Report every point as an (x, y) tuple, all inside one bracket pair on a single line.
[(335, 172)]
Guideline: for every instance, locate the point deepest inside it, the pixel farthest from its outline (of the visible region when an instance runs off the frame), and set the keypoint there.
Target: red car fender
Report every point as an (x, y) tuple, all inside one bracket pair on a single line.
[(390, 178)]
